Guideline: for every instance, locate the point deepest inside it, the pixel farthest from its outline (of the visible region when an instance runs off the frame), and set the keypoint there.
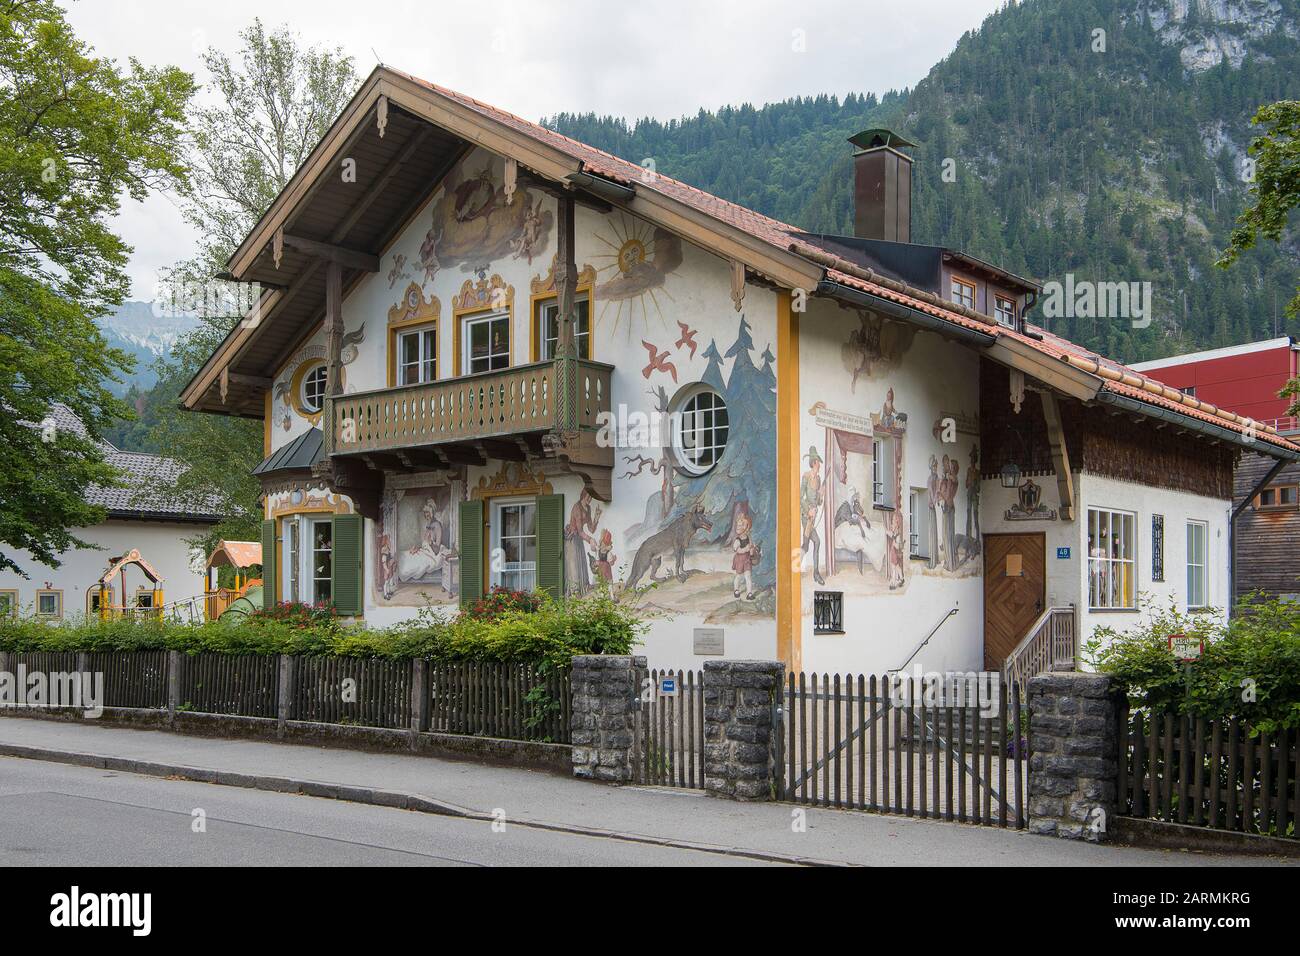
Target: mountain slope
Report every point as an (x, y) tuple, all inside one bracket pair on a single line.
[(1116, 159)]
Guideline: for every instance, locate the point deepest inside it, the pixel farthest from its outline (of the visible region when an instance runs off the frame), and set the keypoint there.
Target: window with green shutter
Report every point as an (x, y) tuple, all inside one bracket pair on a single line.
[(348, 564), (471, 551), (550, 545), (270, 581)]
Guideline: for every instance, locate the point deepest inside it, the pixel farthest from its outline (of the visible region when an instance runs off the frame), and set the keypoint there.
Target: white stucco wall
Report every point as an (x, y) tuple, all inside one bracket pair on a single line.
[(1067, 578), (162, 545)]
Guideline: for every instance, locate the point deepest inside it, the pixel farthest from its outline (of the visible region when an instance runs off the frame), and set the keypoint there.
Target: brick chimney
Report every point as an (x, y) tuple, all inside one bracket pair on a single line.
[(882, 186)]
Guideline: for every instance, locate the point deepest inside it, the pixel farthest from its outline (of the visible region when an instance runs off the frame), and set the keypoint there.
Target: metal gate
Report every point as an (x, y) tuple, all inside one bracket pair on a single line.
[(950, 747), (668, 749)]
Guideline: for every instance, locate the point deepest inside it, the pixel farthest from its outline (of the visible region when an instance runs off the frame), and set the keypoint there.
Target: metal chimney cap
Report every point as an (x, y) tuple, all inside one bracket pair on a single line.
[(877, 137)]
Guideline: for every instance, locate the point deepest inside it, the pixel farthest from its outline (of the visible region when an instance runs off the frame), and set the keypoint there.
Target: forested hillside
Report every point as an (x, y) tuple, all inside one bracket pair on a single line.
[(1121, 163)]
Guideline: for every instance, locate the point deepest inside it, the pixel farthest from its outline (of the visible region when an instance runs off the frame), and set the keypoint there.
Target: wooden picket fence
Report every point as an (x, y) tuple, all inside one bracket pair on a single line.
[(876, 743), (1209, 773), (378, 691), (516, 701), (246, 685), (669, 735)]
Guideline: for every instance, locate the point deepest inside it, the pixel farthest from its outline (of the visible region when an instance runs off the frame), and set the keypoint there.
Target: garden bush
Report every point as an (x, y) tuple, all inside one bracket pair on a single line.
[(1250, 669), (549, 634)]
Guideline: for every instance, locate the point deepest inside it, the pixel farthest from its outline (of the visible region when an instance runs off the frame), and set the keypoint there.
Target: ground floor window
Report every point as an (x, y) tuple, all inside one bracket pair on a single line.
[(514, 545), (1112, 580), (8, 603), (1197, 531), (919, 514), (49, 603), (97, 599), (308, 559)]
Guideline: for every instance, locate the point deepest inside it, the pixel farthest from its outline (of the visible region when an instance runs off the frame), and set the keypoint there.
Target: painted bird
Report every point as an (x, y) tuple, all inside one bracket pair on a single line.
[(658, 362), (688, 337)]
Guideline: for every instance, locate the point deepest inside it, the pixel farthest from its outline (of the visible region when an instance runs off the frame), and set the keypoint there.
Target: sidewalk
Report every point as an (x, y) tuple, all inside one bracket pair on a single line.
[(533, 798)]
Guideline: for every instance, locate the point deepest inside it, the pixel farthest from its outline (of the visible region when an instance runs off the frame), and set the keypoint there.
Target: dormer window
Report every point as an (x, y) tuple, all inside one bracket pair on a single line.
[(1005, 311), (963, 292)]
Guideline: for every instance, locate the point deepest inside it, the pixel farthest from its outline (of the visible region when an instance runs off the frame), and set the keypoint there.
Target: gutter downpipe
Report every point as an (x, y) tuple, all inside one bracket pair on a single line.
[(905, 314), (1283, 456)]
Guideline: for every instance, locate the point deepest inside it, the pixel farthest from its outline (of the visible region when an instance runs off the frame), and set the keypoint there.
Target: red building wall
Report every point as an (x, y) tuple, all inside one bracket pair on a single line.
[(1246, 383)]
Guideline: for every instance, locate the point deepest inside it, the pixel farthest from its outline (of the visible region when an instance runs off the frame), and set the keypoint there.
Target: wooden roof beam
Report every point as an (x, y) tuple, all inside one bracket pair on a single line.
[(330, 252)]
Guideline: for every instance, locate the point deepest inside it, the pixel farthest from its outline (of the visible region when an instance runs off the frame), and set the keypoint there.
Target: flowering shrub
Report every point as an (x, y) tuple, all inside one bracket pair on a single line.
[(500, 601), (297, 614)]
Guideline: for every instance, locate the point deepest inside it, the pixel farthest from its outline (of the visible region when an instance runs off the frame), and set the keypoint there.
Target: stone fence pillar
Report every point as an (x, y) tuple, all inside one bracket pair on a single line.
[(1074, 755), (742, 733), (603, 721)]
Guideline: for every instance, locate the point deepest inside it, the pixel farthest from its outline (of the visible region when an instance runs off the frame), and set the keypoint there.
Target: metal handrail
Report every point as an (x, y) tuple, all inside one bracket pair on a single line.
[(952, 611)]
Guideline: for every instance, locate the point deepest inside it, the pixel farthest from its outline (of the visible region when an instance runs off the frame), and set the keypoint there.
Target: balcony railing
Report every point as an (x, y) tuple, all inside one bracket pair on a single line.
[(514, 401)]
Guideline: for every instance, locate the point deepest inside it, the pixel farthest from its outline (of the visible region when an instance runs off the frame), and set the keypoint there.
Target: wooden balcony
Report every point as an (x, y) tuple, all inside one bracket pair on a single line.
[(511, 414)]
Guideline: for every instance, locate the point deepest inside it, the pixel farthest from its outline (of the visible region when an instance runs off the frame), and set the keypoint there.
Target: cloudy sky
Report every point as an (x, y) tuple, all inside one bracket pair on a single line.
[(660, 58)]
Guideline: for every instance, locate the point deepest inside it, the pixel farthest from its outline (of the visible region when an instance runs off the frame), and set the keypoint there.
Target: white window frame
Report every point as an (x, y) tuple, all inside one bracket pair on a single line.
[(426, 366), (523, 573), (298, 578), (467, 335), (918, 514), (321, 370), (1005, 318), (693, 439), (311, 554), (1107, 572), (1201, 569), (957, 281), (883, 471), (581, 332)]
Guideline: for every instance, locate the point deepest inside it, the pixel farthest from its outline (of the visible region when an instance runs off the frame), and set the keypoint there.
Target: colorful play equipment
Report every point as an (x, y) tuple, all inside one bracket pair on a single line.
[(240, 556), (144, 601)]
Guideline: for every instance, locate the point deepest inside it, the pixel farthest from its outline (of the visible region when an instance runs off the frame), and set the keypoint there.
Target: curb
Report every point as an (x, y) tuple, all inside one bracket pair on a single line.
[(396, 799)]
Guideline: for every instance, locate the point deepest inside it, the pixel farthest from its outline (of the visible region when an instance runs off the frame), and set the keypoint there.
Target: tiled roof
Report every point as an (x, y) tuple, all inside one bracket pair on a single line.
[(140, 495), (783, 236)]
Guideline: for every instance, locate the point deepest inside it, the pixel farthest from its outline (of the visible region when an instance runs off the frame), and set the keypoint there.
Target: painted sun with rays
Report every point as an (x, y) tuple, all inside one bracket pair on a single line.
[(631, 280)]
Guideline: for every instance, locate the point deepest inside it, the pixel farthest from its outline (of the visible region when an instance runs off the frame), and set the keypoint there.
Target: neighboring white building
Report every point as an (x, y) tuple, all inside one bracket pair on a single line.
[(136, 518), (865, 444)]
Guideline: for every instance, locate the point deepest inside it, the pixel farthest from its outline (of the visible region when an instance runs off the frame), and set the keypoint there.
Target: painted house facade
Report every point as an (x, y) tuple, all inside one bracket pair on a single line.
[(1266, 492), (136, 519), (488, 355)]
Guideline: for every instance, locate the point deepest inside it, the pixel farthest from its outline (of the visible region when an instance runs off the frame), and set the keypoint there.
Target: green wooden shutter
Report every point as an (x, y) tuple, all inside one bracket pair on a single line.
[(270, 575), (347, 568), (550, 545), (471, 552)]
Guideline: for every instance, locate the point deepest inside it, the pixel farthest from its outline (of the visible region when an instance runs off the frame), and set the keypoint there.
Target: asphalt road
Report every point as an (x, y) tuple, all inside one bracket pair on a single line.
[(53, 814)]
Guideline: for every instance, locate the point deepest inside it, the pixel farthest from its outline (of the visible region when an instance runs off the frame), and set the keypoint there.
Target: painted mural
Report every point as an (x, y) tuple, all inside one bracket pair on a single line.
[(417, 556), (283, 404), (632, 269), (477, 221), (705, 545), (868, 522)]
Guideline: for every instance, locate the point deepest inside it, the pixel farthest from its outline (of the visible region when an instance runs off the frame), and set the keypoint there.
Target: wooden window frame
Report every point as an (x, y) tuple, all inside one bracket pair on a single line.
[(13, 602), (1277, 504), (536, 339), (92, 593), (955, 280), (55, 616)]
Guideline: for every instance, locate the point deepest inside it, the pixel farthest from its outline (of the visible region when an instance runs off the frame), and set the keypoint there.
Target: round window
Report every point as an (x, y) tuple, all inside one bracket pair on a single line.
[(699, 429), (313, 389)]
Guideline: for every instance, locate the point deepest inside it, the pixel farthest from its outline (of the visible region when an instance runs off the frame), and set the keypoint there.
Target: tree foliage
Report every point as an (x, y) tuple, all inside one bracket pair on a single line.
[(76, 134)]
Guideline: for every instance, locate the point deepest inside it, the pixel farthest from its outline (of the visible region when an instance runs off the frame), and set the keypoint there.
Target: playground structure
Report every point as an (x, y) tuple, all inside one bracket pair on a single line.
[(146, 601), (240, 556)]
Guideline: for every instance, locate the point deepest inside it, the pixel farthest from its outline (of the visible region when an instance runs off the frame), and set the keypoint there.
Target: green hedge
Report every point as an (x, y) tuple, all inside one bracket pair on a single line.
[(1250, 669), (553, 634)]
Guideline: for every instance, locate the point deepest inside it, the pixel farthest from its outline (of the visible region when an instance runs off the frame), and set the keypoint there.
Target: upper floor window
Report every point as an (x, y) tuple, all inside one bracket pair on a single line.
[(1282, 497), (1112, 553), (963, 292), (487, 343), (548, 328), (700, 428), (1005, 311), (312, 396), (417, 355)]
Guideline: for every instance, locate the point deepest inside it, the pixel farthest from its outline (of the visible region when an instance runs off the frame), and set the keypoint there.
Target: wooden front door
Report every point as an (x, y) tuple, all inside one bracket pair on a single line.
[(1015, 591)]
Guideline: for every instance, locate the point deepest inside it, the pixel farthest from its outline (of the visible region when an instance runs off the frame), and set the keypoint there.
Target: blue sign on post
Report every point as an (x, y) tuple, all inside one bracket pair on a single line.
[(1063, 553)]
